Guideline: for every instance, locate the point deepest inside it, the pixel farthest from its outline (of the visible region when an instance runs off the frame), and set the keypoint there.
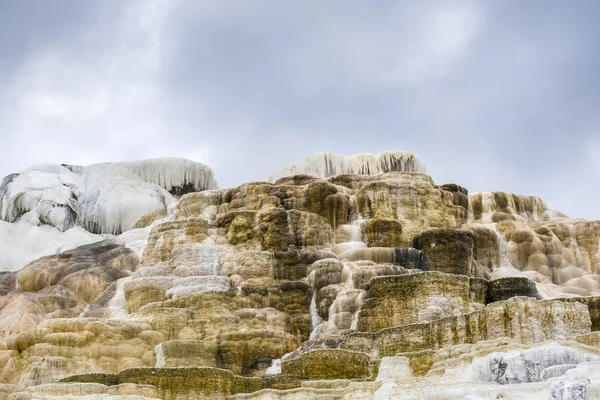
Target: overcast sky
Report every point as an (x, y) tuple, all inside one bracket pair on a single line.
[(493, 95)]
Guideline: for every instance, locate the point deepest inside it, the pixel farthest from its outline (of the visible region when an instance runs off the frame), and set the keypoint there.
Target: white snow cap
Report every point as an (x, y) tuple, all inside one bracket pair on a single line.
[(102, 198), (323, 165)]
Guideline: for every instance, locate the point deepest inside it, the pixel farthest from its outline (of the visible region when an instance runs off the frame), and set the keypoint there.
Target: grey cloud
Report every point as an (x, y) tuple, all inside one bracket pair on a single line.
[(491, 95)]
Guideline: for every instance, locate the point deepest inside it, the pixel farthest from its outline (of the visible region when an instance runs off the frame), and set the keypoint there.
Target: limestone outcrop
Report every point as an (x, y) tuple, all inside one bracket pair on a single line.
[(523, 319), (339, 278)]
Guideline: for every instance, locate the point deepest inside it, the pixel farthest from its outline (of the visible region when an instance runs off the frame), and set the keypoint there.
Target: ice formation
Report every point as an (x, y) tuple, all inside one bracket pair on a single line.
[(323, 165), (107, 198), (525, 366), (177, 175)]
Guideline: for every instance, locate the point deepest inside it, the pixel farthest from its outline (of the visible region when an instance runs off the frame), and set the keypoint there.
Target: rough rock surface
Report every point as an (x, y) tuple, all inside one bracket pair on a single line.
[(353, 278)]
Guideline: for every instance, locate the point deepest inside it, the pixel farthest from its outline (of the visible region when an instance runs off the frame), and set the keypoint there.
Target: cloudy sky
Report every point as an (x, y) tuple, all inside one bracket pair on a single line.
[(493, 95)]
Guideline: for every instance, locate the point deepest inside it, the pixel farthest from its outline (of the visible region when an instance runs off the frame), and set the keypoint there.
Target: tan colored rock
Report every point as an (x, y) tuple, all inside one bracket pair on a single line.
[(590, 339), (167, 236), (239, 225), (382, 233), (148, 219), (248, 264), (486, 249), (61, 347), (325, 298), (364, 271), (139, 292), (85, 271), (329, 271), (5, 389), (413, 298), (186, 353), (295, 265), (22, 311), (229, 282), (413, 201), (448, 250), (294, 298), (170, 383), (240, 351), (521, 318), (593, 305), (329, 364), (200, 204), (505, 288), (501, 206)]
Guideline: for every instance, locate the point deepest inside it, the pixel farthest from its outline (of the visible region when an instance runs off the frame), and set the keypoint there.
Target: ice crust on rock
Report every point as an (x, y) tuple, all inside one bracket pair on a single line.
[(103, 198), (525, 366), (177, 175), (51, 208), (323, 165)]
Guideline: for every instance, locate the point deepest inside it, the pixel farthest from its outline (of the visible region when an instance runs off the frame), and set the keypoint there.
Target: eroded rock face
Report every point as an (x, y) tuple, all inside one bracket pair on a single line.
[(329, 364), (65, 285), (87, 270), (506, 288), (559, 252), (448, 250), (524, 319), (323, 286), (413, 298), (500, 206)]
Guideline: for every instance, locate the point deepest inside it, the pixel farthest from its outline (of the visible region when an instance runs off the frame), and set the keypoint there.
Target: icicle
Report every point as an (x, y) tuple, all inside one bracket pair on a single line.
[(174, 174), (323, 165)]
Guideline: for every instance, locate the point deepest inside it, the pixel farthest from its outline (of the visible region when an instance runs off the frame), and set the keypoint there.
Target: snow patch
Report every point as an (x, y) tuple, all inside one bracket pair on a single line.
[(22, 242)]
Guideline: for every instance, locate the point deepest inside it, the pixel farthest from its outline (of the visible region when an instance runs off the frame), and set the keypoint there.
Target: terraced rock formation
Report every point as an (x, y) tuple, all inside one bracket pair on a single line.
[(375, 284)]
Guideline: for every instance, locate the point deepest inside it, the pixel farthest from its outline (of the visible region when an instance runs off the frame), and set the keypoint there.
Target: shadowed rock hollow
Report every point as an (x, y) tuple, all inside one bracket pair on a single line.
[(340, 278)]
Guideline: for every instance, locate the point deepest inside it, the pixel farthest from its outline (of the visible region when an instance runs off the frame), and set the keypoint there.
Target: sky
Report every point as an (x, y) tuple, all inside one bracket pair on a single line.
[(492, 95)]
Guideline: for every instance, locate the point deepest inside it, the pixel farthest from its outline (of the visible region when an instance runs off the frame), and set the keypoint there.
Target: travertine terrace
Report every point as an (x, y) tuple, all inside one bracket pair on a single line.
[(339, 278)]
